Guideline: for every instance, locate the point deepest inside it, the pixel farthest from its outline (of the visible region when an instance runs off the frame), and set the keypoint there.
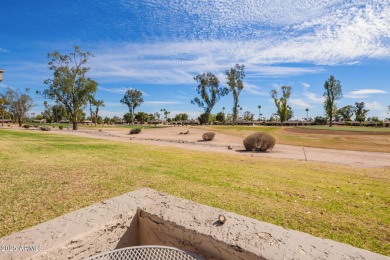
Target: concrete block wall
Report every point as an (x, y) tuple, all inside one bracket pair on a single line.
[(147, 217)]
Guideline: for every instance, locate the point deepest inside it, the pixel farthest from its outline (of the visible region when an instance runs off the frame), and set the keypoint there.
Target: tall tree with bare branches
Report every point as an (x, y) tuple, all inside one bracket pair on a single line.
[(332, 93), (235, 77)]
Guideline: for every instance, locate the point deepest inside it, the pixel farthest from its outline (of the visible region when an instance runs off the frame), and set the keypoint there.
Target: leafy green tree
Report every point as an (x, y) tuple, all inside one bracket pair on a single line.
[(17, 103), (128, 117), (3, 108), (204, 118), (47, 112), (235, 77), (99, 120), (332, 93), (58, 112), (115, 119), (248, 116), (374, 119), (133, 99), (290, 113), (82, 116), (151, 116), (209, 91), (142, 117), (360, 112), (181, 116), (212, 118), (107, 120), (70, 85), (220, 117), (346, 112), (319, 120), (283, 110)]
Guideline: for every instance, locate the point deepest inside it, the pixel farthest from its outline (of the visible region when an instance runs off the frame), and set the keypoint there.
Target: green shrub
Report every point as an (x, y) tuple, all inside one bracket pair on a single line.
[(60, 127), (135, 131), (319, 120), (208, 136), (26, 126), (36, 126), (45, 128), (259, 141)]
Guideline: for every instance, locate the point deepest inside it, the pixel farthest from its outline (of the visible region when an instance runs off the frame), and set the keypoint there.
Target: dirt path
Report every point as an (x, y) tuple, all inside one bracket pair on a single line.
[(171, 136)]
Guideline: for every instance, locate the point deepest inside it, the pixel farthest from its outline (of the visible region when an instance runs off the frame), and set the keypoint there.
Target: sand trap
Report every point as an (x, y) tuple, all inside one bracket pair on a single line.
[(171, 136)]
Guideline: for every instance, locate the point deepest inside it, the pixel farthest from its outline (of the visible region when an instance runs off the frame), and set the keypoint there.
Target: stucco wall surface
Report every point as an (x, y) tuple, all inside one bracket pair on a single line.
[(147, 217)]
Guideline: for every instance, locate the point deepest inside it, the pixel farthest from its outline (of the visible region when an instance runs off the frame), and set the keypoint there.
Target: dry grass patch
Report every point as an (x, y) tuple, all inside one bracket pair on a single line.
[(47, 175), (365, 140)]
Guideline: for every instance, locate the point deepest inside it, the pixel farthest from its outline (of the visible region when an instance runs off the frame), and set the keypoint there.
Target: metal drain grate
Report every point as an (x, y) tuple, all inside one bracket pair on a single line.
[(144, 252)]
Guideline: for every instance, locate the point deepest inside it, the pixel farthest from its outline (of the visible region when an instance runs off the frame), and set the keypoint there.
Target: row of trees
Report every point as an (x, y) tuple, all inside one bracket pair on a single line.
[(72, 91)]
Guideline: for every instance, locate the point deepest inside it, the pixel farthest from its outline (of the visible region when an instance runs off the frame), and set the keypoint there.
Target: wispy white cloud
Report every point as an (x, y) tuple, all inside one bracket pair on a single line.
[(114, 104), (330, 32), (355, 96), (374, 105), (300, 103), (313, 97), (367, 92), (157, 62), (253, 89), (120, 90), (306, 85), (157, 103)]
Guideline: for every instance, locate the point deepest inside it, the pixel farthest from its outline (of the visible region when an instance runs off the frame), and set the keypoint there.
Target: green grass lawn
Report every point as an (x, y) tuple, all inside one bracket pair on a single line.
[(44, 175)]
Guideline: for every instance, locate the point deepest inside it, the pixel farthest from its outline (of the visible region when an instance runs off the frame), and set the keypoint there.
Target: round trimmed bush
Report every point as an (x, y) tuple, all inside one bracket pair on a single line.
[(135, 131), (26, 126), (208, 136), (259, 141), (45, 128), (61, 127)]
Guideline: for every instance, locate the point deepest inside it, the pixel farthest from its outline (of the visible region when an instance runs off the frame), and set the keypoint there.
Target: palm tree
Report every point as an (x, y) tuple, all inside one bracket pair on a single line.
[(165, 112), (223, 109), (91, 101), (259, 107), (307, 113), (162, 112), (97, 104)]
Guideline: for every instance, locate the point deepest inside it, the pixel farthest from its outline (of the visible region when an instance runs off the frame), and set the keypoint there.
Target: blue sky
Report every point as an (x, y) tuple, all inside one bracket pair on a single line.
[(158, 46)]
